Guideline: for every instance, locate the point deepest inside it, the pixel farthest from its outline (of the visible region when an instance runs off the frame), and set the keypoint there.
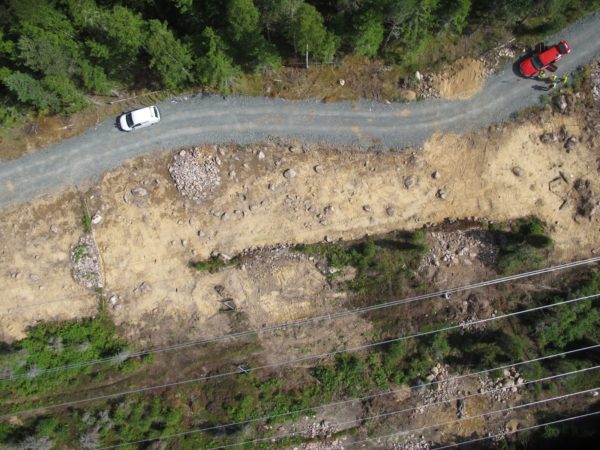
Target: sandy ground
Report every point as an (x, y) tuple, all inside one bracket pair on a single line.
[(147, 243), (462, 80)]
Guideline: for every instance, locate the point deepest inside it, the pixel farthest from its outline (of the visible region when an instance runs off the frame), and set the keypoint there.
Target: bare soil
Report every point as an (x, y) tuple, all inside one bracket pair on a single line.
[(463, 79), (147, 243)]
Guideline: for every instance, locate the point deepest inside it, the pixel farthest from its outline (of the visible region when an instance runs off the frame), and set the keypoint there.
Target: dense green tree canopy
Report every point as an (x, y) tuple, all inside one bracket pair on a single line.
[(53, 53)]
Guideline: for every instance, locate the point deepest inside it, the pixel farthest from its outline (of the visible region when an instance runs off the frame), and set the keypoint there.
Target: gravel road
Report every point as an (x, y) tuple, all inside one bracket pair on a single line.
[(201, 119)]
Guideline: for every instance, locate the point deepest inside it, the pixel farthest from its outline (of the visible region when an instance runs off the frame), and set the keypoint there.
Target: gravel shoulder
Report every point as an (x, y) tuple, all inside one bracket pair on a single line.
[(198, 119)]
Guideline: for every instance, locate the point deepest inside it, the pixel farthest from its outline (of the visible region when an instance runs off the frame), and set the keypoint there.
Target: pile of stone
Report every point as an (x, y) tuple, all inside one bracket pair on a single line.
[(424, 88), (412, 442), (336, 444), (496, 57), (85, 262), (195, 180), (588, 202), (443, 387), (595, 79), (502, 388), (320, 429), (461, 247)]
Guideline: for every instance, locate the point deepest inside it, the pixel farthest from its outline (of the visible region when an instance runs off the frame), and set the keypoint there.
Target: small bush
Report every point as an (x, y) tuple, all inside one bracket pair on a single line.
[(214, 264), (522, 247)]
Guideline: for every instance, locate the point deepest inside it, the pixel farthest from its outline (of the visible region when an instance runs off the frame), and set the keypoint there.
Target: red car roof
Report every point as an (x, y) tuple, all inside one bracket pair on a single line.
[(549, 56), (531, 65)]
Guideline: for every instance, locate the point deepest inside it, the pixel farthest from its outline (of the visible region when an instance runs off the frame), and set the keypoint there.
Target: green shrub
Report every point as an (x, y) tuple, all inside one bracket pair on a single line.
[(215, 263), (53, 345), (522, 247)]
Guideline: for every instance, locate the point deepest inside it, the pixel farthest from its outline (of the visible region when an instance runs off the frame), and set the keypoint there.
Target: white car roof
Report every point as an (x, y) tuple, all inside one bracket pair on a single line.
[(142, 115)]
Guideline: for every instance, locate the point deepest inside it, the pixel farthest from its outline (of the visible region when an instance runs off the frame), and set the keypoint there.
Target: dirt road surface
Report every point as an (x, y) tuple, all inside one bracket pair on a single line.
[(196, 120)]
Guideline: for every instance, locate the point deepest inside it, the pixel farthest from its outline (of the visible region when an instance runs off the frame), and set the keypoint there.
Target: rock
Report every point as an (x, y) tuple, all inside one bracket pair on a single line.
[(289, 173), (506, 373), (441, 194), (182, 153), (546, 138), (139, 191), (252, 207), (328, 239), (367, 209), (409, 182), (224, 216), (418, 76), (561, 103), (517, 171), (571, 143), (113, 299), (34, 277), (97, 218), (318, 168), (144, 287), (436, 175), (53, 229), (295, 149), (328, 210), (341, 82), (260, 155), (391, 211)]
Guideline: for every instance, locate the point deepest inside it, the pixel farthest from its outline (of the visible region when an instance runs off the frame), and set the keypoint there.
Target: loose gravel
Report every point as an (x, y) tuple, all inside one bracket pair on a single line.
[(86, 263), (194, 179)]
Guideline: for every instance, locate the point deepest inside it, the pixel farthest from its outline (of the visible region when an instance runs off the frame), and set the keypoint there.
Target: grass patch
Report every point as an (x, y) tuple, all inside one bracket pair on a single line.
[(79, 252), (522, 247), (215, 263), (381, 262), (52, 345)]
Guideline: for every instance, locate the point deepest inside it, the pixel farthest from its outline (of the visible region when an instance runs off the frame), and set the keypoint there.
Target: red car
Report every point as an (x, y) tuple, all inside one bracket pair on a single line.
[(543, 58)]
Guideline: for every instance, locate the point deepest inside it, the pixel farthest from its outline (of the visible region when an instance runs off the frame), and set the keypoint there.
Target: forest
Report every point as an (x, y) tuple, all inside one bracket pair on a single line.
[(55, 54)]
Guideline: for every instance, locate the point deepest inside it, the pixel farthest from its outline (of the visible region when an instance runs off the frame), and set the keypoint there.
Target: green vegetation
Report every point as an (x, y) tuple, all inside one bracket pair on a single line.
[(382, 263), (55, 53), (215, 263), (50, 345), (522, 247), (262, 393), (80, 251)]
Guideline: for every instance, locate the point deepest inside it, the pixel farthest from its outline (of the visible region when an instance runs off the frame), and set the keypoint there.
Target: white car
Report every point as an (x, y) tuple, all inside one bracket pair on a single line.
[(139, 118)]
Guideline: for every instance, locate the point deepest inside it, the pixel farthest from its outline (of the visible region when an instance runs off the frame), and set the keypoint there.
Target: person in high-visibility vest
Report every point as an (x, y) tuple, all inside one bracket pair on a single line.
[(542, 75), (553, 78), (564, 79), (552, 86)]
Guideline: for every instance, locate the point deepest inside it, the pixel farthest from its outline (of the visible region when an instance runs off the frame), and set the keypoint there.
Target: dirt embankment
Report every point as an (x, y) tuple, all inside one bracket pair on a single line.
[(464, 79), (271, 194)]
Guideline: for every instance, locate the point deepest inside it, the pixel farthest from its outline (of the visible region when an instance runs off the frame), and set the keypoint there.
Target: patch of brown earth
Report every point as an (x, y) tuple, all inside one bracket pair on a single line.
[(464, 79), (148, 237)]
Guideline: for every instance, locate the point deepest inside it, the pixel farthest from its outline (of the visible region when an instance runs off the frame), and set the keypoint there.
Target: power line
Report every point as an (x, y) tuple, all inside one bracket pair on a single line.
[(379, 416), (352, 400), (311, 320), (505, 433), (478, 416), (293, 361), (421, 297)]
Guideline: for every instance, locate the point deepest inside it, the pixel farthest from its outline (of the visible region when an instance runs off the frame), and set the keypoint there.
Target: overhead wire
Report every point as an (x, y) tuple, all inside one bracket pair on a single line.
[(358, 399), (477, 416), (308, 321), (383, 415), (449, 290), (292, 361), (520, 430)]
